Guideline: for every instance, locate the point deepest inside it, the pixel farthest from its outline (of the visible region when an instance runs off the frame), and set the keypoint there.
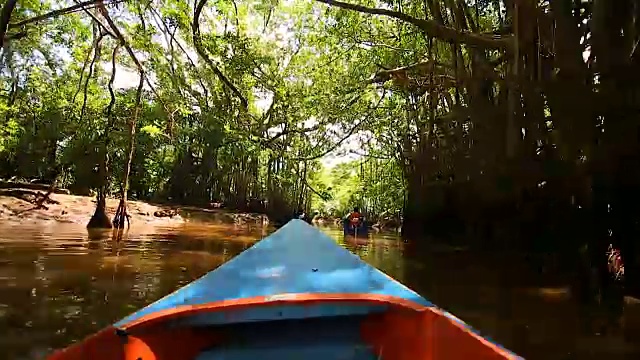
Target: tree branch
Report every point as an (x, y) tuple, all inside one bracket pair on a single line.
[(322, 196), (96, 55), (369, 155), (5, 16), (159, 20), (123, 41), (290, 131), (119, 35), (432, 28), (197, 41), (84, 64), (348, 135), (95, 18), (71, 9), (112, 101), (390, 47)]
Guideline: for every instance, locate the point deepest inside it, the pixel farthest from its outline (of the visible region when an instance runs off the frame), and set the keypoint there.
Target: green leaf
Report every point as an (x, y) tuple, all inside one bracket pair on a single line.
[(151, 130)]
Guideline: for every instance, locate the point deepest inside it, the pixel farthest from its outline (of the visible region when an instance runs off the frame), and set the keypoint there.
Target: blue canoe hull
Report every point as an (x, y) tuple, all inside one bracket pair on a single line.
[(295, 294)]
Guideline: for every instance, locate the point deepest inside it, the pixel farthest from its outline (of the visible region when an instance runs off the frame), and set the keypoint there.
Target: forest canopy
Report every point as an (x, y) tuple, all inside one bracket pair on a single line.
[(224, 101)]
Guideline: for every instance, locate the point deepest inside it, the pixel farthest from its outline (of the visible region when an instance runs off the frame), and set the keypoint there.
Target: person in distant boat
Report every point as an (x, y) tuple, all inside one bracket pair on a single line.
[(355, 216)]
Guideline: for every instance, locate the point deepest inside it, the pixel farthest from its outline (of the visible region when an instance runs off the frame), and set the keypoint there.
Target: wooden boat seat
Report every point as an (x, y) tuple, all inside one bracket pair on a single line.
[(277, 313)]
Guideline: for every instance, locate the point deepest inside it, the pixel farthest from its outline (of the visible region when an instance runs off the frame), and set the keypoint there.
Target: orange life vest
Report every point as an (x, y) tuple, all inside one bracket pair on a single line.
[(354, 217)]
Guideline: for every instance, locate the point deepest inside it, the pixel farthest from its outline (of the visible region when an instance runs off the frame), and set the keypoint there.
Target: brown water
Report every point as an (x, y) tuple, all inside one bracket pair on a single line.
[(58, 284)]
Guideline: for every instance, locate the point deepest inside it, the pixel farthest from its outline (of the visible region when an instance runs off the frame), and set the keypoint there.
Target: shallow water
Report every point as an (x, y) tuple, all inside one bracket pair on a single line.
[(58, 284)]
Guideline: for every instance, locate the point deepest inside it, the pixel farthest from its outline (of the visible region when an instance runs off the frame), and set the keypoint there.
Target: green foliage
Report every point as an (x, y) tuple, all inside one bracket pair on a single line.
[(375, 186), (194, 143), (304, 68)]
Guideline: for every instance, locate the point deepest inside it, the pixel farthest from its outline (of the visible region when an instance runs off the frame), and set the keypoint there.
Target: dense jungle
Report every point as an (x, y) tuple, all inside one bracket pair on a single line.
[(506, 126)]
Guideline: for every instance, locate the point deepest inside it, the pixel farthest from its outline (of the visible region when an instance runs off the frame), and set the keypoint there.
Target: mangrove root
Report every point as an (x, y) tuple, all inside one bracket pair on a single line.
[(121, 216)]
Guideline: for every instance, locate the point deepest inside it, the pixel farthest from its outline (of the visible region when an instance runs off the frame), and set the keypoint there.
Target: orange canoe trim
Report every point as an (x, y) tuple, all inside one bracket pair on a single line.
[(407, 331)]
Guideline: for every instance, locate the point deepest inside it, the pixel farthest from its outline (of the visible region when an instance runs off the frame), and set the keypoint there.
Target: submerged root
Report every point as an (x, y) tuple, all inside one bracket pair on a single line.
[(118, 234), (121, 216)]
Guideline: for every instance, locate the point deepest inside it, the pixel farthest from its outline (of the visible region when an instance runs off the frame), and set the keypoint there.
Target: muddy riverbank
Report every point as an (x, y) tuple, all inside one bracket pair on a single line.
[(20, 204)]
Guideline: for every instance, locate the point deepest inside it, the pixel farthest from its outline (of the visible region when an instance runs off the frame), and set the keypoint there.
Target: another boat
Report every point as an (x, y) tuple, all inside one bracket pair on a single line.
[(357, 240), (296, 294), (359, 229)]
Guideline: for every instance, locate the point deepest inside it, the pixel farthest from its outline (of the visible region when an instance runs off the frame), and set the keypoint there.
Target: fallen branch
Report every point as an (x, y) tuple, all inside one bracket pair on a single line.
[(8, 184), (37, 199), (42, 198)]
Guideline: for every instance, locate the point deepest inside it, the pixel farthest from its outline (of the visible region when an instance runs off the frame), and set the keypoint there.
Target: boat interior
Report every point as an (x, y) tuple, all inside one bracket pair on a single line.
[(347, 331), (313, 339)]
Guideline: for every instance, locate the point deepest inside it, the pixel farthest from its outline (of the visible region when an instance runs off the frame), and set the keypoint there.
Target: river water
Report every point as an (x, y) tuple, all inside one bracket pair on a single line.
[(59, 284)]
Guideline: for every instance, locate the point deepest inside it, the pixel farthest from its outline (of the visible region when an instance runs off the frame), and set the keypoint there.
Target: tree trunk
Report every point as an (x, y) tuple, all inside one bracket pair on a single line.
[(5, 16), (121, 212), (100, 220)]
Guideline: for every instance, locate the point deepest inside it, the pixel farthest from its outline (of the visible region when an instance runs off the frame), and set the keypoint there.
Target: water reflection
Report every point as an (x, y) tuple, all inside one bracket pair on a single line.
[(384, 251), (59, 284)]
